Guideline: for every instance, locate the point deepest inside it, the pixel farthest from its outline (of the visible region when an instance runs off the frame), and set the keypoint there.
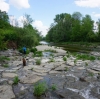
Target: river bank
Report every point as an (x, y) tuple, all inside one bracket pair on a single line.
[(74, 79)]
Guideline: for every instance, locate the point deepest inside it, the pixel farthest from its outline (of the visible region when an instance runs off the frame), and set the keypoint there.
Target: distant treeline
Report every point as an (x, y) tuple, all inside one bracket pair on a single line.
[(73, 28), (15, 36)]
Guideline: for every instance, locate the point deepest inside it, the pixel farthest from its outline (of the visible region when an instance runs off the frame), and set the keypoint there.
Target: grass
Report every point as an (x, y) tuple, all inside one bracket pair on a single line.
[(75, 61), (66, 68), (85, 57), (40, 88), (86, 64), (64, 58), (50, 50), (38, 54), (38, 61), (91, 74), (33, 50), (5, 65), (51, 60), (53, 87), (3, 58), (15, 80)]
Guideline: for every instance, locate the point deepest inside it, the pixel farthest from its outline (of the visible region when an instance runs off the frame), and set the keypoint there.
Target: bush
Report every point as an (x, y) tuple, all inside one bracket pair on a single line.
[(33, 50), (53, 87), (51, 60), (64, 58), (38, 62), (38, 54), (40, 88), (3, 58), (15, 80), (5, 65)]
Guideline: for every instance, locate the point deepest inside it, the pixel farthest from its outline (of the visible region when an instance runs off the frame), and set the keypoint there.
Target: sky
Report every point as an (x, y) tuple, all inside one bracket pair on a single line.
[(43, 11)]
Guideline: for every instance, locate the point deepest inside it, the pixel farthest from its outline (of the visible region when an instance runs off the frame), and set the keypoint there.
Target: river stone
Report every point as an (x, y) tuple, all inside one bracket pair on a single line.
[(16, 63), (68, 94), (54, 72), (95, 92), (16, 68), (10, 75), (44, 60), (93, 71), (80, 68), (50, 66), (10, 71), (6, 92), (42, 70), (30, 79), (61, 68), (76, 85)]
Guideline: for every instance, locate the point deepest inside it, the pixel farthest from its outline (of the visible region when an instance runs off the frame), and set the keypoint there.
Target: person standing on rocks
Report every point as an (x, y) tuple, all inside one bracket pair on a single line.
[(24, 50)]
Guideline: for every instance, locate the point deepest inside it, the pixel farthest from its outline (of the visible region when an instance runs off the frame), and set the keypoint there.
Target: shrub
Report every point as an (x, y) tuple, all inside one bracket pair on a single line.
[(64, 58), (66, 68), (53, 87), (15, 80), (33, 50), (40, 88), (38, 54), (3, 58), (38, 62), (86, 63), (91, 74), (5, 65), (51, 60)]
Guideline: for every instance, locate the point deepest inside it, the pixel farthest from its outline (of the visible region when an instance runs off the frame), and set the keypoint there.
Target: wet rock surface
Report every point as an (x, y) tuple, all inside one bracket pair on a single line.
[(72, 80)]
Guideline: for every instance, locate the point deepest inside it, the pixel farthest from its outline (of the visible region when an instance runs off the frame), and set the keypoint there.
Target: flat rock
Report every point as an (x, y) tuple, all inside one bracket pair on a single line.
[(10, 71), (54, 72), (10, 75), (92, 71), (16, 68), (31, 78), (60, 68), (6, 92)]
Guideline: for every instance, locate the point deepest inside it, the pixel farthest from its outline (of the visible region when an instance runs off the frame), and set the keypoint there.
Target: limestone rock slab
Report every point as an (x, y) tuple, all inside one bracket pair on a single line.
[(6, 92)]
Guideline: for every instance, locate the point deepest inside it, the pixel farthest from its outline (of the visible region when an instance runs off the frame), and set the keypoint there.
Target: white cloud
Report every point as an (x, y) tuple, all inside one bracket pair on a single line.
[(20, 20), (20, 3), (4, 6), (88, 3), (97, 15), (39, 25)]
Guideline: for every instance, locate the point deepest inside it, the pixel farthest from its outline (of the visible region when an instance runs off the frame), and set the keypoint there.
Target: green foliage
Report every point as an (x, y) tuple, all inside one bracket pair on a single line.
[(85, 57), (91, 74), (15, 80), (53, 87), (3, 58), (40, 88), (66, 68), (5, 65), (21, 50), (64, 58), (38, 54), (50, 50), (75, 28), (33, 50), (38, 61), (27, 36), (86, 64), (51, 60)]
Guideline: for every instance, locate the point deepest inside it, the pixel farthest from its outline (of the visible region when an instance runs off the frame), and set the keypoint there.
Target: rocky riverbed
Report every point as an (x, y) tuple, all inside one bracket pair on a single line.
[(73, 80)]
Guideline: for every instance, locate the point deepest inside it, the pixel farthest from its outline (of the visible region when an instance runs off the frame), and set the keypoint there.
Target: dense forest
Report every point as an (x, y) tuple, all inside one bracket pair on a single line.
[(73, 28), (14, 36)]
